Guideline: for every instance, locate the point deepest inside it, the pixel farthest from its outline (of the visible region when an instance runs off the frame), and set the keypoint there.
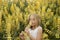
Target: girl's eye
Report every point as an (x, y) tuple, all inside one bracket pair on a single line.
[(33, 19)]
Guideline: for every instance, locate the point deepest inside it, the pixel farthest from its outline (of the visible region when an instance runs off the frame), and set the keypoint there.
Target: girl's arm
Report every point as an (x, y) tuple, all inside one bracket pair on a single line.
[(27, 31), (39, 34)]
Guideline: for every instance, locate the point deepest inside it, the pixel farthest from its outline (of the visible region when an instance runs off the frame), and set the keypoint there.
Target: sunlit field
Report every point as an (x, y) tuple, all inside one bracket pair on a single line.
[(14, 15)]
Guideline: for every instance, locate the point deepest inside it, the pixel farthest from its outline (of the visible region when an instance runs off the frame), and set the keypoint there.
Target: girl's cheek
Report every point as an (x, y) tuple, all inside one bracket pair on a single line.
[(33, 23)]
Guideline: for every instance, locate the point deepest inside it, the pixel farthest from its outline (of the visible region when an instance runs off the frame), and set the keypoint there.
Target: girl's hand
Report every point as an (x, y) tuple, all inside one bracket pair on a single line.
[(27, 30), (22, 36)]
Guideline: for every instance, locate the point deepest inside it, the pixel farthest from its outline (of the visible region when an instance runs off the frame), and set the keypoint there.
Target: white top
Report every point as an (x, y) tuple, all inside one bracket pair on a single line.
[(34, 32)]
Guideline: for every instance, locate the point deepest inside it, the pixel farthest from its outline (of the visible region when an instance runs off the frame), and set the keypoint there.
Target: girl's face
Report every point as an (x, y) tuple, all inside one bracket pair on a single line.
[(33, 20)]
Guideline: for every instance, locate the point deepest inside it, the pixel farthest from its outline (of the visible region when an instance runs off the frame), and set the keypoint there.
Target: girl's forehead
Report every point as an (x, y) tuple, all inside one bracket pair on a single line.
[(32, 16)]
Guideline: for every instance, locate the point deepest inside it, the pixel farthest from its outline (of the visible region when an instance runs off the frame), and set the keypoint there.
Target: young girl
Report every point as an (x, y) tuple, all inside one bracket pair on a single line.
[(34, 31)]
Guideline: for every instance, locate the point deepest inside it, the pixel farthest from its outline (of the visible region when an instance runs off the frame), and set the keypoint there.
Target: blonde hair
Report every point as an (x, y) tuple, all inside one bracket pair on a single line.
[(37, 17)]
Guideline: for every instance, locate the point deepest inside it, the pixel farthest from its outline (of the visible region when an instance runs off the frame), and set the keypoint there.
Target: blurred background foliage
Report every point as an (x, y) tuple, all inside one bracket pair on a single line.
[(14, 14)]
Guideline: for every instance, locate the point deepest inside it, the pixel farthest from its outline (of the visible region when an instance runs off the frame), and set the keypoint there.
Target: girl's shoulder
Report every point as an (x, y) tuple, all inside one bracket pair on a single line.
[(39, 27)]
